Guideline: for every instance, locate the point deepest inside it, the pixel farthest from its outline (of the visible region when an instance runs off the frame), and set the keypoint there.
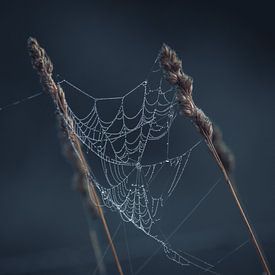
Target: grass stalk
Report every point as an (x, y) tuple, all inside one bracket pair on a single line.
[(44, 67), (172, 68)]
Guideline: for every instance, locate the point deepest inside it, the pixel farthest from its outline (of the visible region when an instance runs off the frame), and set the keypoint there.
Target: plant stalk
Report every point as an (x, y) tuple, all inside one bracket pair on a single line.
[(44, 67), (242, 212), (172, 67)]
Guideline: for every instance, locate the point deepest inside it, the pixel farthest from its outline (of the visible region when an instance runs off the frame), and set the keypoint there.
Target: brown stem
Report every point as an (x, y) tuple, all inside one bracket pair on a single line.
[(242, 212), (81, 185), (172, 67), (44, 67)]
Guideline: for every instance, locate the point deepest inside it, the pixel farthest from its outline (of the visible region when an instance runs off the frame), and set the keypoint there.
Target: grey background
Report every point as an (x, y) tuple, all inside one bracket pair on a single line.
[(107, 48)]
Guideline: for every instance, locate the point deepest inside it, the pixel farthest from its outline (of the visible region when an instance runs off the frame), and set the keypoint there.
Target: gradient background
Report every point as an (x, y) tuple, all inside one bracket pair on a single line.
[(107, 48)]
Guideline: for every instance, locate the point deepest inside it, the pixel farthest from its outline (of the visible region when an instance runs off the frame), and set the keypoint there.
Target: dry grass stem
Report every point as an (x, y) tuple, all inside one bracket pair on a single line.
[(172, 67), (44, 67), (81, 185)]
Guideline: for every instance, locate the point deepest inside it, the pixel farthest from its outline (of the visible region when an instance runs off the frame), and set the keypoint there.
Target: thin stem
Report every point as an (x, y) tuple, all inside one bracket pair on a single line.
[(44, 67), (237, 200), (172, 67)]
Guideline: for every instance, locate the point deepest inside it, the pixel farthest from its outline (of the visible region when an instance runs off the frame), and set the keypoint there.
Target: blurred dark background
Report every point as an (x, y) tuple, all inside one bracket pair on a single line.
[(107, 48)]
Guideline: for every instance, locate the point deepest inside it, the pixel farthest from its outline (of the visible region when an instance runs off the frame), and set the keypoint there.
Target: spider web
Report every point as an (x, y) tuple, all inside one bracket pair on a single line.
[(121, 143)]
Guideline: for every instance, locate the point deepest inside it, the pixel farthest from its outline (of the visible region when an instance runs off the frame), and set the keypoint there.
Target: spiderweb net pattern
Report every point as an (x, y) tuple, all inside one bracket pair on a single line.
[(121, 144)]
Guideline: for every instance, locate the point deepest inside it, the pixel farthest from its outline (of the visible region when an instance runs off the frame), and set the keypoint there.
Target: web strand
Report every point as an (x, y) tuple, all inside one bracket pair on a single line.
[(17, 102)]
